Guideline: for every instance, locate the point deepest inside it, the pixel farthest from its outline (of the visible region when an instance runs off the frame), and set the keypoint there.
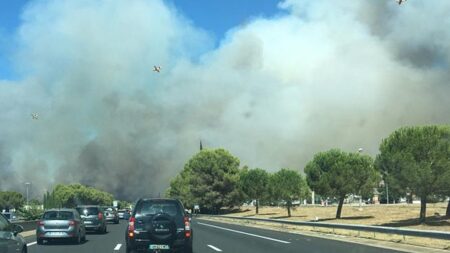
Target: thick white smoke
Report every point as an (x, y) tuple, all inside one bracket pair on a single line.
[(274, 92)]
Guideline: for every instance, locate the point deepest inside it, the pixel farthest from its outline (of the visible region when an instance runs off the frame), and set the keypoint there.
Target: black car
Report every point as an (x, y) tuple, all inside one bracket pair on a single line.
[(10, 239), (159, 225)]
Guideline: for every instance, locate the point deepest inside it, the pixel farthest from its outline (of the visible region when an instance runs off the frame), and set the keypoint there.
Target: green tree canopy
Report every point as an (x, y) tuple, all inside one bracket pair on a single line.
[(254, 183), (211, 179), (336, 174), (418, 159), (11, 199), (288, 185), (76, 194)]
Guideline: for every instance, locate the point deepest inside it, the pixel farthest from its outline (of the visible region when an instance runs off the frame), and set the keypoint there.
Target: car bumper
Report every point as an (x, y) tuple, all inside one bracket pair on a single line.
[(57, 235), (142, 245), (93, 227)]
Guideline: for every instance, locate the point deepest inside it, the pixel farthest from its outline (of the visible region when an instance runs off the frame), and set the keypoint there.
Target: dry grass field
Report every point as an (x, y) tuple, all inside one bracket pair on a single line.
[(400, 215)]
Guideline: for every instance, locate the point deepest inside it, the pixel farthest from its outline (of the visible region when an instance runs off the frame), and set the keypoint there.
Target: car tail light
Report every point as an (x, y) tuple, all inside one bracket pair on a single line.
[(131, 226), (40, 223), (72, 223), (187, 227), (100, 216)]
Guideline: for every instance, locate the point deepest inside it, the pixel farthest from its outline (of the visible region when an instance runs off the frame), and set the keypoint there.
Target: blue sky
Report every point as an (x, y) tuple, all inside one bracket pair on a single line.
[(212, 15)]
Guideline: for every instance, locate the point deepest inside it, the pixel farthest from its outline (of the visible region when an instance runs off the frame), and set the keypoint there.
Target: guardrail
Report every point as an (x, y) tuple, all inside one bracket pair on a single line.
[(27, 225), (375, 229)]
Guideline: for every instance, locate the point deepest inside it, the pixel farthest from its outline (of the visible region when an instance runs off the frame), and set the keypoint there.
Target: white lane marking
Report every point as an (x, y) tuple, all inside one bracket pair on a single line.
[(245, 233), (118, 246), (214, 248), (31, 244)]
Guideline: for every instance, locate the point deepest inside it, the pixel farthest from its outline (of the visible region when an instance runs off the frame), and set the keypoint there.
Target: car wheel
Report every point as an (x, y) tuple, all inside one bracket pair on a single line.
[(105, 230), (77, 240), (24, 249), (128, 250), (188, 249), (40, 241)]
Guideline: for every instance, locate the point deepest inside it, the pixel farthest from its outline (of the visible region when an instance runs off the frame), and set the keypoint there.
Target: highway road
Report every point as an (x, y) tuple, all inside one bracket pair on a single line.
[(211, 237)]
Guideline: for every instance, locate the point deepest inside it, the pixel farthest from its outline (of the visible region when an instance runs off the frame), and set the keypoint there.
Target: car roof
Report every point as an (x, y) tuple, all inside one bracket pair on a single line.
[(60, 209), (159, 199), (84, 206)]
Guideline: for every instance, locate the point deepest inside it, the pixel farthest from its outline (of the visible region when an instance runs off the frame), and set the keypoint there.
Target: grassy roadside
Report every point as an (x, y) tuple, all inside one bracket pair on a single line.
[(402, 215)]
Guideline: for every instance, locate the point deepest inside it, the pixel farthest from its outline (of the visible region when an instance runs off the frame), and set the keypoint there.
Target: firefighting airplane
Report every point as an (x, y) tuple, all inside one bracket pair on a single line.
[(157, 68)]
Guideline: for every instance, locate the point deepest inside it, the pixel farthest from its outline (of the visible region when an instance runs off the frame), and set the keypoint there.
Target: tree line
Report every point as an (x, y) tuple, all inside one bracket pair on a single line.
[(412, 160), (73, 195)]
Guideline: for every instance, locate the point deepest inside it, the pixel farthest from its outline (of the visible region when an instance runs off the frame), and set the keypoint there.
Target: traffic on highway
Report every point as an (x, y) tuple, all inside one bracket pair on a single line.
[(209, 237), (205, 126)]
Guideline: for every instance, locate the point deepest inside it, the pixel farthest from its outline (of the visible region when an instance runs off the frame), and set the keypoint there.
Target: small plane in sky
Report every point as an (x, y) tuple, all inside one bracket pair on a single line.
[(157, 68), (400, 1), (34, 116)]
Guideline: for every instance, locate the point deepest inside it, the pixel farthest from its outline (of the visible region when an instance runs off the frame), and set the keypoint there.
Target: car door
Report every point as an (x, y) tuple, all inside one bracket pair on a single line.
[(8, 242)]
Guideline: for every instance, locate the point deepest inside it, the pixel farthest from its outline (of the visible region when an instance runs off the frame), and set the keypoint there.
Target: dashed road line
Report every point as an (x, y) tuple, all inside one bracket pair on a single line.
[(215, 248), (31, 244), (118, 246)]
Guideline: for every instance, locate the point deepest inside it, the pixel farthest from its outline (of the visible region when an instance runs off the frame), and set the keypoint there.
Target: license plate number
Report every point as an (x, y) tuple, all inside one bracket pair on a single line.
[(158, 246), (56, 233), (87, 222)]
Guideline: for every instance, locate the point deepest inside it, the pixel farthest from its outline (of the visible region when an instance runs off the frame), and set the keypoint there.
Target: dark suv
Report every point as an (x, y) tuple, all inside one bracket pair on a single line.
[(93, 218), (159, 225)]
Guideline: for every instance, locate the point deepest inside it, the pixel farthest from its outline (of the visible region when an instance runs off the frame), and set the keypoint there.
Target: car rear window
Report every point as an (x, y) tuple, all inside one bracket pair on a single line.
[(152, 207), (88, 211), (58, 215)]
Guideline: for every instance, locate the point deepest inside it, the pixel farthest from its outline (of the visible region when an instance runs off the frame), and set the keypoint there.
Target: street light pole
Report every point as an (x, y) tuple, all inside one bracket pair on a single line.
[(27, 184)]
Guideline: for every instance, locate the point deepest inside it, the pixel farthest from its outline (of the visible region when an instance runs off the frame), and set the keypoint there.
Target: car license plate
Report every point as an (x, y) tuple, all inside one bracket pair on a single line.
[(87, 222), (56, 233), (158, 246)]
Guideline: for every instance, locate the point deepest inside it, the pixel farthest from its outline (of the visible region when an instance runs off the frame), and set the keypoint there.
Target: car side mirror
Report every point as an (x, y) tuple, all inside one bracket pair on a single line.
[(16, 229)]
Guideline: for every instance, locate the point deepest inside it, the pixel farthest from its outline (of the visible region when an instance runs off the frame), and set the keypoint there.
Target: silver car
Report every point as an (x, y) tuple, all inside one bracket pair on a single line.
[(10, 239), (111, 215), (59, 224)]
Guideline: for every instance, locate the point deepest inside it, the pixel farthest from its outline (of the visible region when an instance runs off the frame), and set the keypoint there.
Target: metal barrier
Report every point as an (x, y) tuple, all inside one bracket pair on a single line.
[(27, 225), (366, 228)]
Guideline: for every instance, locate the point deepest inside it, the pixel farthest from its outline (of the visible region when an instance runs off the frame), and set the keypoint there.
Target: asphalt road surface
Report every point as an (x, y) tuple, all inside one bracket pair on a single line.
[(211, 237)]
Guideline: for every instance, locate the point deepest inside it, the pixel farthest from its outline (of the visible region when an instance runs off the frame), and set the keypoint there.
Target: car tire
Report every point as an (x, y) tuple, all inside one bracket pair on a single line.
[(105, 230), (128, 250), (77, 240), (40, 241), (188, 249), (24, 249)]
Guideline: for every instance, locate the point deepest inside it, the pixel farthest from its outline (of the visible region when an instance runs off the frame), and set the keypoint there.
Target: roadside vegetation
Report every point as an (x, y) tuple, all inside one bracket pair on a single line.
[(413, 161)]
